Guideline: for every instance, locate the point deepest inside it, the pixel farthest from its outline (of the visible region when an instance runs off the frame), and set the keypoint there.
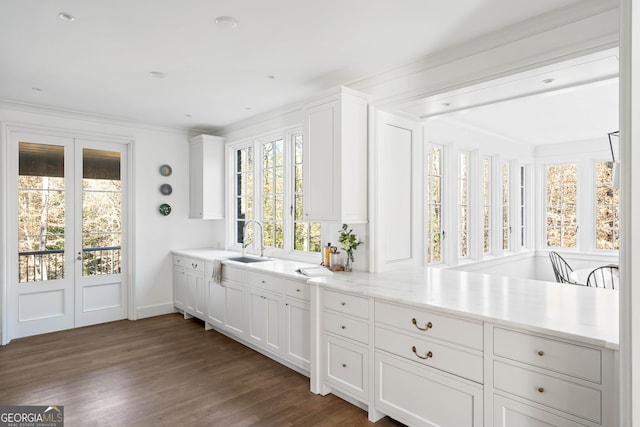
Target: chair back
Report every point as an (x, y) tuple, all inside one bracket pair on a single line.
[(561, 268), (604, 277)]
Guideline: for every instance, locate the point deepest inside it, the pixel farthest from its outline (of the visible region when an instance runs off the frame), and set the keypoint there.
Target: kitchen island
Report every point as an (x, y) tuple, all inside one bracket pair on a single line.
[(425, 346)]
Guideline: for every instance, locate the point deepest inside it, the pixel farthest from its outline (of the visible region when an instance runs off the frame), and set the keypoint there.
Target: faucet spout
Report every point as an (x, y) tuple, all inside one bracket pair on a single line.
[(244, 235)]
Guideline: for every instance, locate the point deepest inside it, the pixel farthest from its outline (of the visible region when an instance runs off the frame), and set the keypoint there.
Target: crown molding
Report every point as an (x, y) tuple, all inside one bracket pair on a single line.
[(506, 36), (86, 117)]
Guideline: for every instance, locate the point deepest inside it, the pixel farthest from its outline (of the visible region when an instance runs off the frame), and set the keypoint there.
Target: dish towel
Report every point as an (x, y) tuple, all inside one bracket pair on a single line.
[(217, 270)]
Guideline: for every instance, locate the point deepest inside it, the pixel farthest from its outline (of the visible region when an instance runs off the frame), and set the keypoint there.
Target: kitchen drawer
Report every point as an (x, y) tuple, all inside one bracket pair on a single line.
[(346, 367), (346, 303), (419, 396), (429, 324), (193, 264), (179, 260), (566, 396), (296, 289), (430, 353), (346, 327), (265, 281), (569, 359), (234, 274)]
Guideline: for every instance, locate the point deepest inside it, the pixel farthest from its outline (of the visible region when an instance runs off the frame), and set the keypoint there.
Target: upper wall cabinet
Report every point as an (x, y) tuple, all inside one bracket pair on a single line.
[(335, 156), (206, 177)]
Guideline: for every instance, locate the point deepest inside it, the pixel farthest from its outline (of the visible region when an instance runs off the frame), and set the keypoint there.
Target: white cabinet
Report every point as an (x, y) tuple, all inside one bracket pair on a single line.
[(206, 177), (542, 380), (265, 319), (424, 353), (345, 339), (235, 301), (179, 283), (335, 156), (297, 323), (196, 300), (216, 303)]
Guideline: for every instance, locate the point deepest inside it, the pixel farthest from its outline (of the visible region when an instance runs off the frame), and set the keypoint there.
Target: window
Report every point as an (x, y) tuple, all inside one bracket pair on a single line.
[(244, 190), (522, 225), (273, 193), (463, 205), (486, 196), (562, 227), (279, 193), (607, 208), (306, 235), (505, 207), (434, 204)]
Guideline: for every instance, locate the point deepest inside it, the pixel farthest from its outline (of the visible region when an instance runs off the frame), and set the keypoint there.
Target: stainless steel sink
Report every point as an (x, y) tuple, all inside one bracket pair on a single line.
[(247, 260)]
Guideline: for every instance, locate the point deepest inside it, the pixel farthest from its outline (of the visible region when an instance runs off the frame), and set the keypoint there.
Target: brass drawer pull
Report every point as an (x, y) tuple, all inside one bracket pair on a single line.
[(541, 390), (343, 303), (343, 327), (428, 326), (541, 353), (427, 356), (344, 365)]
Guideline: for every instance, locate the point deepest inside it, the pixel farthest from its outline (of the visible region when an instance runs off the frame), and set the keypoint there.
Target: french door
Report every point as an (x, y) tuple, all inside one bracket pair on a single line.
[(67, 245)]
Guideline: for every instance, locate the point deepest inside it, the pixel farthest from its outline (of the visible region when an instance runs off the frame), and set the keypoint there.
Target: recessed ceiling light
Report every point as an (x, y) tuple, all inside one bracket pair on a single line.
[(36, 89), (226, 22), (156, 74), (271, 77), (248, 108), (547, 81), (66, 16), (188, 116), (446, 104)]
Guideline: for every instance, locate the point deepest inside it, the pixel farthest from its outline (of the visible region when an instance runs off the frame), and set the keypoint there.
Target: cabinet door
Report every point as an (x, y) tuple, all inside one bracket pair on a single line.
[(322, 167), (196, 175), (216, 304), (265, 320), (509, 413), (179, 287), (298, 329), (234, 308), (416, 395), (196, 299)]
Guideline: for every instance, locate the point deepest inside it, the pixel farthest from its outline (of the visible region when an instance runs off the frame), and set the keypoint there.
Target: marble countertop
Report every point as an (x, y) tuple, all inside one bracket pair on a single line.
[(281, 267), (589, 315), (581, 313)]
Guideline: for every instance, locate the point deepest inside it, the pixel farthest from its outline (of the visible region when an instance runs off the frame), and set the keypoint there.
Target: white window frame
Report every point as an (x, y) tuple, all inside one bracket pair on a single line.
[(428, 203), (459, 179), (545, 243), (287, 135), (594, 216)]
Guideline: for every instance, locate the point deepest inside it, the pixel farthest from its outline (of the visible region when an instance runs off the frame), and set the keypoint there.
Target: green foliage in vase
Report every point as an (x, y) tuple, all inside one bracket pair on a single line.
[(349, 240)]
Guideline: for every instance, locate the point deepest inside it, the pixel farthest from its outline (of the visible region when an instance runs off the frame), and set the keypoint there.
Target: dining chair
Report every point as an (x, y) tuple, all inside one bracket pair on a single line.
[(603, 277), (561, 268)]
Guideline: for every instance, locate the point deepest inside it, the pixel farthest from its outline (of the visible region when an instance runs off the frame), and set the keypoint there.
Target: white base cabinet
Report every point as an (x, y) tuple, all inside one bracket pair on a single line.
[(418, 395), (265, 319), (189, 288), (510, 413), (297, 323)]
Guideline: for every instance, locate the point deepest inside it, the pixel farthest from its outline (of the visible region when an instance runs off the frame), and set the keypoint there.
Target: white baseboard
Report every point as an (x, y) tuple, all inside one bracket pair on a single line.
[(154, 310)]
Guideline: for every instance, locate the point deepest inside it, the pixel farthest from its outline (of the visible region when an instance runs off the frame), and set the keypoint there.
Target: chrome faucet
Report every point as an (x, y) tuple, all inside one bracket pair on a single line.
[(244, 236)]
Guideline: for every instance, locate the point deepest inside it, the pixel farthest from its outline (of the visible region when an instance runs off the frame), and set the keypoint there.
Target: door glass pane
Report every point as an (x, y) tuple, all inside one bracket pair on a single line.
[(41, 212), (101, 212)]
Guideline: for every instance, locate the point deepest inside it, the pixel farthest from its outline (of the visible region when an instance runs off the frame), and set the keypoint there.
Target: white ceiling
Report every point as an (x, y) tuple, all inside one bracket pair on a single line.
[(100, 62)]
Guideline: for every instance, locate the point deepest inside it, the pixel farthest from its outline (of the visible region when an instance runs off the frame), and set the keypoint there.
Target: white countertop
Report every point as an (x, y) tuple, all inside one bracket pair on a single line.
[(568, 311)]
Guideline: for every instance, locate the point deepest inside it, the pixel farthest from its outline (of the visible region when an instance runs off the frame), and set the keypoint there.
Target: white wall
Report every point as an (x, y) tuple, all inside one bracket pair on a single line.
[(153, 235)]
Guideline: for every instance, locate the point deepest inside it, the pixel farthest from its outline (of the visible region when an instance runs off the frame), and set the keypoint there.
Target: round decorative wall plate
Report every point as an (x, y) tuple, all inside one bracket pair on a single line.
[(165, 170), (166, 189), (164, 209)]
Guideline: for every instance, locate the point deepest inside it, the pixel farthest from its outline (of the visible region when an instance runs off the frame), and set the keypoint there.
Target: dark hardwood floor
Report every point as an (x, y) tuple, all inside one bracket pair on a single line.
[(162, 371)]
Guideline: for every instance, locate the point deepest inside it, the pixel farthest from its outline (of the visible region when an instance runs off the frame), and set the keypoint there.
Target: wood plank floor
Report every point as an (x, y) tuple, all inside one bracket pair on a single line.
[(163, 371)]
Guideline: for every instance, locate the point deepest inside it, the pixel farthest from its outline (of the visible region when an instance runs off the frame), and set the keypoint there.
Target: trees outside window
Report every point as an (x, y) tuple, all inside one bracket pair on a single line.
[(506, 218), (434, 204), (606, 208), (463, 205), (562, 222)]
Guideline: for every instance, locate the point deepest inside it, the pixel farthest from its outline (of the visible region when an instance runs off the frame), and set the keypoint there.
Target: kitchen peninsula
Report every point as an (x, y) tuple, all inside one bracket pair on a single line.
[(428, 346)]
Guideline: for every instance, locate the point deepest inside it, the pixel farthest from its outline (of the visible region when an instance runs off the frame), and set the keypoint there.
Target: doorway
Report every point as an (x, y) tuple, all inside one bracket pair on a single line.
[(67, 241)]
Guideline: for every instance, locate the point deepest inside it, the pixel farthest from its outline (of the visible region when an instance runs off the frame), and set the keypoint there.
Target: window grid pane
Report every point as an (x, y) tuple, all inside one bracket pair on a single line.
[(244, 190), (523, 241), (486, 172), (607, 208), (562, 225), (306, 235), (273, 193), (463, 222), (506, 229), (434, 204)]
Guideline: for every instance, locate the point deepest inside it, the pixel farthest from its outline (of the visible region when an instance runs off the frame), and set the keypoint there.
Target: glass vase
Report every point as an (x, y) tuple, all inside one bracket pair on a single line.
[(348, 266)]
